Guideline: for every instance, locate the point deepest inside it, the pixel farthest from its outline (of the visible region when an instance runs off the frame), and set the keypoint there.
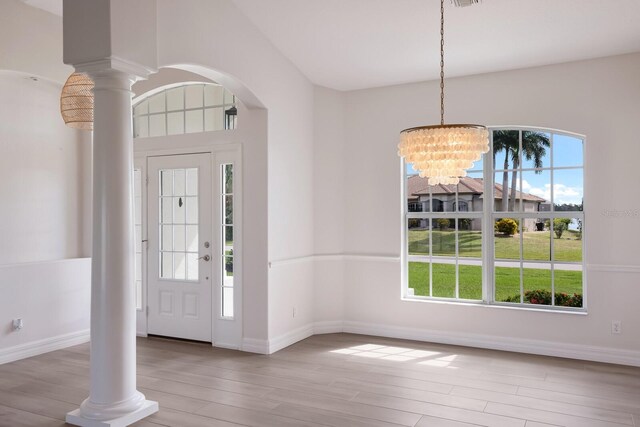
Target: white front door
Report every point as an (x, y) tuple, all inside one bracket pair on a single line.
[(180, 257)]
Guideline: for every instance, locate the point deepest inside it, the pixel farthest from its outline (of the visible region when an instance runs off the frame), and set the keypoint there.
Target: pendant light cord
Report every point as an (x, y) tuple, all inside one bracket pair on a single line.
[(442, 62)]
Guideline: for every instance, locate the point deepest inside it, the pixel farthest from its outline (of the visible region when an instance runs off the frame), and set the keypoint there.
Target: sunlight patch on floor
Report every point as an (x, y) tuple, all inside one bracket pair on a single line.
[(398, 354)]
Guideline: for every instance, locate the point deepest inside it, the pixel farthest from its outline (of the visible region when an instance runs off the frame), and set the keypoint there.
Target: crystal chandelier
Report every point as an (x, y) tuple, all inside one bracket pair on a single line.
[(443, 152), (76, 101)]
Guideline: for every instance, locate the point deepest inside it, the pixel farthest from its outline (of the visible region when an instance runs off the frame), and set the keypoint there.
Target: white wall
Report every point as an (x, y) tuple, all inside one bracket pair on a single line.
[(52, 299), (598, 98), (216, 40), (41, 175), (31, 41), (329, 203), (44, 192)]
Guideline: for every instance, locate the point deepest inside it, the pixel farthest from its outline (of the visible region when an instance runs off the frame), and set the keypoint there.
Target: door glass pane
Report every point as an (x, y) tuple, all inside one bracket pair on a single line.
[(228, 179), (179, 209), (178, 241), (227, 302), (192, 238), (192, 182), (179, 265), (192, 210), (226, 231)]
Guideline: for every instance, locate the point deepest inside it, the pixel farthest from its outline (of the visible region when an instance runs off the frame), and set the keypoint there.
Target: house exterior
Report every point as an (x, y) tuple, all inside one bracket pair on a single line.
[(470, 199)]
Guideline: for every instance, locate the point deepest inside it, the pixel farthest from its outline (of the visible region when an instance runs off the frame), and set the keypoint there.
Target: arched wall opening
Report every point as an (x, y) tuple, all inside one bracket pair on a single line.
[(248, 140)]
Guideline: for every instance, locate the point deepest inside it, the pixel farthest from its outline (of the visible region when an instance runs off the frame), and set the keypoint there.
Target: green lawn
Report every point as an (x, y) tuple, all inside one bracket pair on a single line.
[(536, 245), (507, 280)]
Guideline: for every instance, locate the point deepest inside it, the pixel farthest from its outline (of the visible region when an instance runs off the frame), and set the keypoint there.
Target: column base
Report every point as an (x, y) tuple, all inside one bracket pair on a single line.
[(148, 407)]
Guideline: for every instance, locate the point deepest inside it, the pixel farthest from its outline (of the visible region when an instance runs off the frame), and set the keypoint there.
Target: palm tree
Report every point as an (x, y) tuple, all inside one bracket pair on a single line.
[(534, 147), (506, 140)]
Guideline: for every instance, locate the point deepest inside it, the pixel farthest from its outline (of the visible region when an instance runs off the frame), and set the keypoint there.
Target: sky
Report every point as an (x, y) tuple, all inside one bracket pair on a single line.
[(568, 183)]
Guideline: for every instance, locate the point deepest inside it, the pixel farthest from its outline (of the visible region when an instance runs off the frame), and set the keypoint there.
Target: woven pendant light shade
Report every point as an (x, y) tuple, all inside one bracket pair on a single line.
[(76, 102)]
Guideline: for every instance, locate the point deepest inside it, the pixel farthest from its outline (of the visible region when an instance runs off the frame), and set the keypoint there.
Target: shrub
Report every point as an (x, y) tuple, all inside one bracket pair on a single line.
[(543, 296), (443, 224), (506, 226), (414, 222), (464, 224), (560, 225)]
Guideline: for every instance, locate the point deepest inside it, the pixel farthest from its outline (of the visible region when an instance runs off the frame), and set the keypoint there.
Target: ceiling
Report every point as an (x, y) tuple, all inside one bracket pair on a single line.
[(356, 44)]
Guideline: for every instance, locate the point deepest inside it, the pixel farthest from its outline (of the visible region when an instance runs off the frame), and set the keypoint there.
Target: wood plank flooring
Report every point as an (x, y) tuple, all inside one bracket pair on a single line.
[(336, 380)]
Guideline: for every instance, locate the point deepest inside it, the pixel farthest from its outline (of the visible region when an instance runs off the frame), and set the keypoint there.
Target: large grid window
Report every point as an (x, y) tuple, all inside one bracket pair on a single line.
[(444, 238), (527, 197), (189, 108)]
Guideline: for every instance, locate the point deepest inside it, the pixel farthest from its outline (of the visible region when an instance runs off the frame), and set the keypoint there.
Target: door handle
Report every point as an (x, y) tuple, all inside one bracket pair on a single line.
[(205, 257)]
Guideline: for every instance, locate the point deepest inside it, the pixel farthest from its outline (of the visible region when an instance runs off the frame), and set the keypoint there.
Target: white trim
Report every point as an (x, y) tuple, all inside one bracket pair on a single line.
[(115, 63), (255, 345), (147, 408), (226, 345), (335, 257), (609, 268), (52, 261), (328, 327), (613, 268), (292, 337), (34, 348), (518, 345)]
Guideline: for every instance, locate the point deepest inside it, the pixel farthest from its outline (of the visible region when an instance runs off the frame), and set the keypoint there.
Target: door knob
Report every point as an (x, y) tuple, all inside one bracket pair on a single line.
[(205, 257)]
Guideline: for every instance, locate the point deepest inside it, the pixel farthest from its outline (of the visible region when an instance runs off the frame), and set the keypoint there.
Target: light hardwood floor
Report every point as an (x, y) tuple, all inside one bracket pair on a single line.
[(336, 380)]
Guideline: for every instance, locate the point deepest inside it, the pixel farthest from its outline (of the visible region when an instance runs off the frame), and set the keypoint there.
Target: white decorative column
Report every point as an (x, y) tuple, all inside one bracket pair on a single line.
[(113, 399), (114, 42)]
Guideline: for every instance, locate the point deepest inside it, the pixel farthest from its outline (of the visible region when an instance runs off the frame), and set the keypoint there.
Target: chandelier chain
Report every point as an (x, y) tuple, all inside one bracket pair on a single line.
[(442, 62)]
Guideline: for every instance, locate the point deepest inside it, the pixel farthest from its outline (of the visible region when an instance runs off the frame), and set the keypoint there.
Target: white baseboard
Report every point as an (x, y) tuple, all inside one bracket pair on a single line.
[(289, 338), (46, 345), (254, 345), (518, 345), (228, 346), (328, 327)]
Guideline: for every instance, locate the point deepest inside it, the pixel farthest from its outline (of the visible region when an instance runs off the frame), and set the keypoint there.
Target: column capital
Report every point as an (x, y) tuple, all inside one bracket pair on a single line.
[(114, 65)]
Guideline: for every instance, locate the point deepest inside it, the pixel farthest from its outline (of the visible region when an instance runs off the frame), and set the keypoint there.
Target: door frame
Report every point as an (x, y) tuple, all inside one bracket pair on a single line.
[(218, 147)]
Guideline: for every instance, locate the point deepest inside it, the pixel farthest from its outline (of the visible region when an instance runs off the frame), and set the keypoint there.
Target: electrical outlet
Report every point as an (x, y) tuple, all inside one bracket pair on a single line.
[(616, 327), (17, 324)]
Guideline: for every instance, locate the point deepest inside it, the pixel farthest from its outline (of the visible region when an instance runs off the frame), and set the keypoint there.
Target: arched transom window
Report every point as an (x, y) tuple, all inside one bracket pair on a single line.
[(186, 108)]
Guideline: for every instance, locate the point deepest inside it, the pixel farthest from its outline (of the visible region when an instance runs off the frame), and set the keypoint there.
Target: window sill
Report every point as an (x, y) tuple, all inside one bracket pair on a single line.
[(500, 306)]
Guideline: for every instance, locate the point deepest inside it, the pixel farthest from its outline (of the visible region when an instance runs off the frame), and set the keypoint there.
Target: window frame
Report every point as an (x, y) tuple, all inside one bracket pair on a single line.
[(488, 215), (163, 91)]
